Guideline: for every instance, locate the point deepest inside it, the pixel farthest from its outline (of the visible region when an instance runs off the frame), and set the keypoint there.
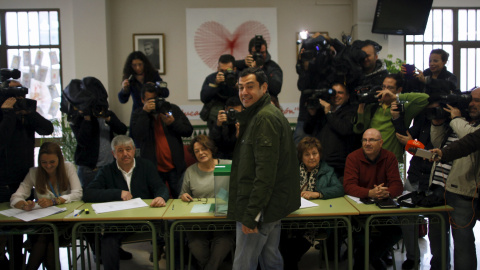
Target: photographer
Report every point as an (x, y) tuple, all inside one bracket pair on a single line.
[(259, 57), (93, 125), (18, 124), (137, 71), (457, 179), (225, 131), (376, 114), (315, 70), (374, 70), (158, 128), (331, 123), (217, 88)]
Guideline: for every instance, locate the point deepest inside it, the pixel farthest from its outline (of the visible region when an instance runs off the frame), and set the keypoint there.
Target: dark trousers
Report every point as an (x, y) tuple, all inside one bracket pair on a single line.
[(6, 192)]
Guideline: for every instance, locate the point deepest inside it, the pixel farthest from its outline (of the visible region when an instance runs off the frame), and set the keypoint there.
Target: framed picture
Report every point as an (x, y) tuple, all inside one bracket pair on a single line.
[(153, 46)]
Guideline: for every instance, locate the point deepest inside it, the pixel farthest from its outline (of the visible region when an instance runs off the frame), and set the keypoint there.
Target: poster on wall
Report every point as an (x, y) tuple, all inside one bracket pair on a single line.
[(212, 32)]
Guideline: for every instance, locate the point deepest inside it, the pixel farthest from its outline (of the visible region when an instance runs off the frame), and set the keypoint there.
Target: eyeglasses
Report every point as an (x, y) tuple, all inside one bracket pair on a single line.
[(389, 87), (370, 140), (199, 200)]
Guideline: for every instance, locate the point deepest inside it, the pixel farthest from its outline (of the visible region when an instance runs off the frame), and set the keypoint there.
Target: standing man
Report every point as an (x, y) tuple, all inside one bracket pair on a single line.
[(125, 178), (459, 181), (374, 71), (271, 69), (159, 132), (379, 116), (265, 175), (217, 88), (17, 143), (332, 124)]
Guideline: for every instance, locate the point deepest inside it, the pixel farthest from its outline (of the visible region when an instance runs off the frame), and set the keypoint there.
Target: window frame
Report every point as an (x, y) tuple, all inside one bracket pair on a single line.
[(457, 45)]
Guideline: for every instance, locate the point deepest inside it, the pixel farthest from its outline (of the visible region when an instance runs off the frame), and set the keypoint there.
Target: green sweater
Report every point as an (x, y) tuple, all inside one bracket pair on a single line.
[(381, 119)]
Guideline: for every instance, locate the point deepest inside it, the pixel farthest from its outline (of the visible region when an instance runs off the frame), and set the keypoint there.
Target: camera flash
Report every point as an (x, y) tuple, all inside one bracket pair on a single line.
[(303, 34)]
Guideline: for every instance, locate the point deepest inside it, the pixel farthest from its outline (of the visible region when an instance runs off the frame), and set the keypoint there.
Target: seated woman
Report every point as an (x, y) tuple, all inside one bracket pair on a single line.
[(209, 248), (56, 182), (317, 181)]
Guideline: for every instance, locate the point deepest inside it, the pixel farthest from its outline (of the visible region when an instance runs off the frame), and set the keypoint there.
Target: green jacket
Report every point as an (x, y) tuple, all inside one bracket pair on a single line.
[(265, 172), (327, 182), (381, 119)]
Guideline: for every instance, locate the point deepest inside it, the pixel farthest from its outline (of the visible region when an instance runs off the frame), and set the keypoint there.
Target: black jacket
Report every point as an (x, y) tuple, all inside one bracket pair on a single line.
[(17, 142), (109, 183), (87, 134), (335, 132), (272, 70), (143, 131), (225, 139)]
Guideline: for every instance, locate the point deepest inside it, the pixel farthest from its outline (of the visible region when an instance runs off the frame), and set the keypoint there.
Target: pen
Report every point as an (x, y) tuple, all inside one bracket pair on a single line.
[(81, 211)]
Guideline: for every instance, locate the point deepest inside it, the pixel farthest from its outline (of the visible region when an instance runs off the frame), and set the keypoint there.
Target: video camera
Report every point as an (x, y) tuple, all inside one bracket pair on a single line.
[(459, 101), (314, 46), (22, 104), (257, 55), (367, 94), (316, 94)]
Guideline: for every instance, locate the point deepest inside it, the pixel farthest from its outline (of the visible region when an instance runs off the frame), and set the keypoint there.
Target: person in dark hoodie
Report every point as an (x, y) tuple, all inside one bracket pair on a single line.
[(271, 69)]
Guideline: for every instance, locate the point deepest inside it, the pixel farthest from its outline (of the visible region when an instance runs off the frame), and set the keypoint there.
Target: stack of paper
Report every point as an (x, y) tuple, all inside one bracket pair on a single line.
[(36, 213), (117, 206)]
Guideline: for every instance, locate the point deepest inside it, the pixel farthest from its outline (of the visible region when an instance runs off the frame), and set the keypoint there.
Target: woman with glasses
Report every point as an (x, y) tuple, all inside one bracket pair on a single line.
[(209, 248), (317, 181), (56, 183)]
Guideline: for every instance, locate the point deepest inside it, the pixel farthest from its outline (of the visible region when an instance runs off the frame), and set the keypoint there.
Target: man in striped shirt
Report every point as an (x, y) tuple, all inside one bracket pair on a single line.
[(458, 181)]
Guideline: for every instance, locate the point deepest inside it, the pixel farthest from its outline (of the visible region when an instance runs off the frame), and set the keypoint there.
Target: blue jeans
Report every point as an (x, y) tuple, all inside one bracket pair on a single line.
[(259, 247), (464, 253), (174, 180), (299, 134), (86, 175)]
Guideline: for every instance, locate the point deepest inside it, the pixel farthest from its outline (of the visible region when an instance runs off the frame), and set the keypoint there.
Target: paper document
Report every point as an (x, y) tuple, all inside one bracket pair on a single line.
[(356, 199), (202, 208), (117, 206), (306, 203), (36, 213)]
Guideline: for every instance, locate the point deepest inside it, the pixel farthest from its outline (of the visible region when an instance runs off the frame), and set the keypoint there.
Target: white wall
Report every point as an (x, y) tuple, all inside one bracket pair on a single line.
[(97, 35)]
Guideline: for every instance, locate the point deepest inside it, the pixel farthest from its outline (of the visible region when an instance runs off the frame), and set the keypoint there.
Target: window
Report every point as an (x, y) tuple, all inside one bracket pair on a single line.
[(30, 42), (457, 31)]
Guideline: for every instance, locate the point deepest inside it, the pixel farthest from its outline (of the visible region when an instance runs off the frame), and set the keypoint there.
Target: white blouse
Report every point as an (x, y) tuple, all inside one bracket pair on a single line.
[(70, 195)]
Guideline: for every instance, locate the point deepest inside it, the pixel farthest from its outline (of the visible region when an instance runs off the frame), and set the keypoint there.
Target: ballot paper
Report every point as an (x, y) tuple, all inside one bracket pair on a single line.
[(36, 213), (203, 208), (306, 203), (117, 206)]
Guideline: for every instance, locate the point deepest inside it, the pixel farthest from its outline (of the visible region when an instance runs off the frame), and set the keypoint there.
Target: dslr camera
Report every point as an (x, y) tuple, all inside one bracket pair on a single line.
[(161, 105), (257, 55), (230, 77), (231, 117), (22, 104), (316, 94)]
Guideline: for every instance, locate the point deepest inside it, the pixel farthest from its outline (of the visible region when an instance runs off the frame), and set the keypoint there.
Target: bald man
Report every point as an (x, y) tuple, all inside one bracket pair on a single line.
[(372, 172)]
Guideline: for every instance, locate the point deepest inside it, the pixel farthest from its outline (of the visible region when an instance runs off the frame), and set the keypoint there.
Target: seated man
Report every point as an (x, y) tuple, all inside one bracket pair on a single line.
[(372, 172), (124, 179)]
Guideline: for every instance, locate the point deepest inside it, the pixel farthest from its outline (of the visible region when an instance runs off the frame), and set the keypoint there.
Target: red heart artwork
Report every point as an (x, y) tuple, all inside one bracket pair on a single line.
[(212, 39)]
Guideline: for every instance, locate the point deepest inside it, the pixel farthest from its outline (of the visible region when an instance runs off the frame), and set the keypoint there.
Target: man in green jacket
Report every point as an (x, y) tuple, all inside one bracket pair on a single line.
[(265, 175), (379, 116)]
